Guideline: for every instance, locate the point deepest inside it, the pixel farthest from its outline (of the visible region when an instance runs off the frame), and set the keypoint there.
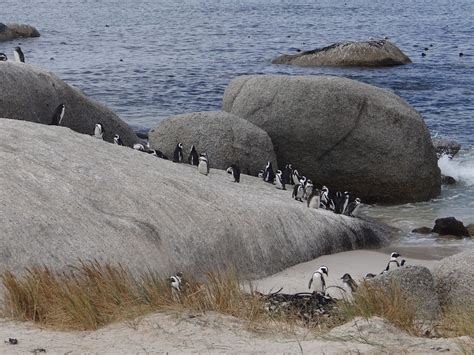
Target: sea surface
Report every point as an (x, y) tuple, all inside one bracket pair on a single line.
[(149, 60)]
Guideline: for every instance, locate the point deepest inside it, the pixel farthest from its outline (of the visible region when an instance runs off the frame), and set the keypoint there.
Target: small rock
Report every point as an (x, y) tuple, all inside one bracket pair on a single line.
[(470, 229), (447, 180), (450, 226), (422, 230), (446, 147)]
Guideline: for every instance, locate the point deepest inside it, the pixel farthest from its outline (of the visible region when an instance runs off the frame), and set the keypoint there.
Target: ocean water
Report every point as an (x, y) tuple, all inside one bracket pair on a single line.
[(149, 60)]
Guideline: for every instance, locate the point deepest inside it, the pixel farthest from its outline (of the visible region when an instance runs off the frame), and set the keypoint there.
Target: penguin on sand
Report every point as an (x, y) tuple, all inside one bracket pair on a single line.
[(178, 153), (352, 208), (203, 166), (19, 56), (193, 157), (235, 171), (350, 286), (280, 183), (314, 199), (317, 280), (269, 175), (99, 131), (58, 115), (393, 262)]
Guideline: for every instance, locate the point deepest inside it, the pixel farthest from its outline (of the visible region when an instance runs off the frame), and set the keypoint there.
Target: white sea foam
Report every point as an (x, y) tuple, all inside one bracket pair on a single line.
[(462, 168)]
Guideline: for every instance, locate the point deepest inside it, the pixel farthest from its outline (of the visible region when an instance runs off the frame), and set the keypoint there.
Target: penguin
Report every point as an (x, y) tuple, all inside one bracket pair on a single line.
[(193, 157), (403, 262), (99, 131), (260, 173), (393, 262), (139, 146), (58, 115), (286, 175), (349, 284), (347, 197), (235, 171), (203, 166), (269, 175), (178, 153), (314, 199), (353, 208), (118, 140), (3, 57), (339, 200), (159, 154), (308, 189), (324, 197), (295, 176), (280, 183), (317, 280), (175, 283), (298, 191), (19, 56)]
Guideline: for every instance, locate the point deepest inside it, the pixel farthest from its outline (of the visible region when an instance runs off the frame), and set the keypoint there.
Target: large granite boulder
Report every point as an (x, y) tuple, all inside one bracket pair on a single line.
[(450, 226), (454, 280), (226, 138), (31, 94), (342, 133), (66, 196), (376, 53), (14, 30), (416, 285)]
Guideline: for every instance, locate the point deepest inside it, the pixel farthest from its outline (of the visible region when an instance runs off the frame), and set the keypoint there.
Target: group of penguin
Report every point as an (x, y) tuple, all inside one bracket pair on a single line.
[(318, 282), (17, 52), (303, 189)]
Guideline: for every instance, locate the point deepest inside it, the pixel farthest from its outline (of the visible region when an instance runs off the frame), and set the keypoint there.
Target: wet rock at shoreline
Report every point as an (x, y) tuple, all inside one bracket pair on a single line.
[(32, 94), (375, 53), (342, 133), (450, 226), (470, 228), (13, 31), (226, 138), (446, 147), (448, 180), (422, 230)]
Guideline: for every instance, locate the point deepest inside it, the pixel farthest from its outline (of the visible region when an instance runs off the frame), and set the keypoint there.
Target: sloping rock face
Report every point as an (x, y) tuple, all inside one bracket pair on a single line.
[(32, 94), (66, 196), (14, 30), (454, 279), (416, 284), (342, 133), (381, 53), (226, 138)]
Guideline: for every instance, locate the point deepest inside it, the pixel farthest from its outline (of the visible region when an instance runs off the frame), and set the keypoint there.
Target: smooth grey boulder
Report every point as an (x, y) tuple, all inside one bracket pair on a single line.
[(454, 280), (376, 53), (32, 94), (226, 138), (342, 133), (416, 285), (66, 196), (14, 30), (446, 147)]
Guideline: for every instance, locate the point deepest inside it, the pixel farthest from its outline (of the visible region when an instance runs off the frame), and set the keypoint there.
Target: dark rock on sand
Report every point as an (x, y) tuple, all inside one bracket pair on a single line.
[(446, 147), (66, 196), (450, 226), (381, 53), (32, 94), (13, 31), (422, 230), (342, 133), (448, 180), (226, 138)]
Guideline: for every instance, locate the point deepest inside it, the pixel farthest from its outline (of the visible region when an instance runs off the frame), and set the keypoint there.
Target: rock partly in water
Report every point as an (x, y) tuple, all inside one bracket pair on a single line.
[(66, 196), (32, 94), (417, 286), (470, 229), (342, 133), (226, 138), (14, 30), (381, 53), (422, 230), (454, 280), (446, 147), (450, 226), (447, 180)]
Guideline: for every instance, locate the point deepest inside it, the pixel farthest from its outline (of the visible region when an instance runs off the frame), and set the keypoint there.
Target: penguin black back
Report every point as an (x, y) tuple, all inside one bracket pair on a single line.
[(178, 153), (58, 115), (3, 57), (19, 56), (193, 157)]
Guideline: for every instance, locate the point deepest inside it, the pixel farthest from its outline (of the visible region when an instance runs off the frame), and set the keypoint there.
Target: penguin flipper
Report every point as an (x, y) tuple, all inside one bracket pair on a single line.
[(310, 283)]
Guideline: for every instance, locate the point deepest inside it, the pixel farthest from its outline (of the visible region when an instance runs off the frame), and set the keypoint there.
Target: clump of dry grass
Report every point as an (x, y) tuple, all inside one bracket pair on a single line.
[(457, 321)]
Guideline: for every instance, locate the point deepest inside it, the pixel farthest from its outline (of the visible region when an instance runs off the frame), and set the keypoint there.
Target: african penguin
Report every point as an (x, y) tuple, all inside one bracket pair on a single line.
[(295, 177), (339, 200), (287, 175), (3, 57), (139, 146), (159, 154), (118, 140), (193, 157), (269, 175), (260, 173), (317, 280), (58, 115), (99, 131), (393, 262), (403, 262), (324, 197), (19, 56), (235, 171), (349, 284), (298, 191), (280, 183), (178, 153), (203, 166), (353, 208), (308, 189), (314, 199), (175, 283), (347, 197)]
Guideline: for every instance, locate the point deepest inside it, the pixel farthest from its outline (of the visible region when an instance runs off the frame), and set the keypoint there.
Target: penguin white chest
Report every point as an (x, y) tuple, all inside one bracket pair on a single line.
[(318, 284), (314, 202), (202, 167)]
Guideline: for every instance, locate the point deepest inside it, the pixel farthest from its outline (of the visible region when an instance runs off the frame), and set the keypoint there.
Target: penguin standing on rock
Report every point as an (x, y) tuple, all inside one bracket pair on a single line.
[(269, 175), (298, 191), (339, 200), (308, 189), (235, 171), (203, 166), (19, 56), (99, 131), (140, 147), (287, 175), (193, 157), (159, 154), (178, 153), (393, 262), (317, 280), (118, 140), (353, 208), (347, 197), (280, 183), (314, 199), (58, 115), (295, 176), (324, 197)]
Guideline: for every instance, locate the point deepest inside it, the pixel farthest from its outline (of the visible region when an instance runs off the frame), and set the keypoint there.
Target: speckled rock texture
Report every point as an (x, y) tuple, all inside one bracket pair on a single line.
[(14, 30)]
